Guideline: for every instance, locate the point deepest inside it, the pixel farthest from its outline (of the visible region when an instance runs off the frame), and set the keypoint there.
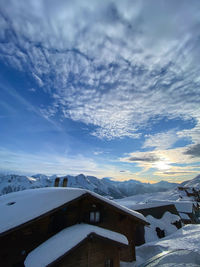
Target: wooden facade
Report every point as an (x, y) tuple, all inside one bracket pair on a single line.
[(19, 241), (93, 251)]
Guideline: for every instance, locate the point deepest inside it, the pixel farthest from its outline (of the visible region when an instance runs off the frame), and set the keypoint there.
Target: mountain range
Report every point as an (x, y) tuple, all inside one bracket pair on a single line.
[(105, 186)]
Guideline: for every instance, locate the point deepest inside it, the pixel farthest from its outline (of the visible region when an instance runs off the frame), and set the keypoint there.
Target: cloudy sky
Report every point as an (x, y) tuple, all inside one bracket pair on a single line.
[(104, 88)]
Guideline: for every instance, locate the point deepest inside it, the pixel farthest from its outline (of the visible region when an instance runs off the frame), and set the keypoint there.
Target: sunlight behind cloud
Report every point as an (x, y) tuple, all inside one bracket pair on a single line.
[(161, 165)]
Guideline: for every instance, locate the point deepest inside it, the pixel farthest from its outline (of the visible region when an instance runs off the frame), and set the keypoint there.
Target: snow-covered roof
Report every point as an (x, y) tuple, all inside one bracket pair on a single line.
[(181, 206), (184, 216), (23, 206), (164, 223), (189, 190), (148, 205), (64, 241)]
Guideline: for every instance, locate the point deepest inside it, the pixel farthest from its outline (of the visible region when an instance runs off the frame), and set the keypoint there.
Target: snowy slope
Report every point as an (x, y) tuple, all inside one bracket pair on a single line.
[(105, 186), (195, 183), (184, 238), (167, 196)]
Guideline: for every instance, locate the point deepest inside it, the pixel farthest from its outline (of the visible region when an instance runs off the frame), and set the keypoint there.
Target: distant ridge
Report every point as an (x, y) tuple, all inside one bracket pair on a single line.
[(106, 187)]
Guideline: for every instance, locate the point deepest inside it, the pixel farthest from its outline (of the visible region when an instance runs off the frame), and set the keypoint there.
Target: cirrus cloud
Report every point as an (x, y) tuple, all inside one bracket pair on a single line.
[(113, 65)]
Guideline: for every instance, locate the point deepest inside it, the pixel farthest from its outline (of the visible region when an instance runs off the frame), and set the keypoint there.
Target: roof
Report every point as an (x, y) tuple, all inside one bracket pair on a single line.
[(184, 216), (189, 190), (65, 241), (149, 205), (23, 206), (181, 206)]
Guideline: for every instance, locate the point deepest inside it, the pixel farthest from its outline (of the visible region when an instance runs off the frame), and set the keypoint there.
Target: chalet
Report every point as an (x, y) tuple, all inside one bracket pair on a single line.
[(65, 227), (188, 210), (157, 210)]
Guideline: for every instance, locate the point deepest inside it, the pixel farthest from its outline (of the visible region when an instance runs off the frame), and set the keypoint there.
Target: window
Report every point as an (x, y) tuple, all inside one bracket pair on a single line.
[(108, 263), (94, 216)]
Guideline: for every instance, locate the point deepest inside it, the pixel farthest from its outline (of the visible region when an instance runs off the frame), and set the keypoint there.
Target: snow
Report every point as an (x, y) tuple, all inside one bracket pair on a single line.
[(141, 206), (184, 216), (194, 183), (185, 238), (115, 189), (182, 206), (23, 206), (189, 190), (29, 204), (179, 258), (170, 195), (165, 223), (64, 241), (152, 200)]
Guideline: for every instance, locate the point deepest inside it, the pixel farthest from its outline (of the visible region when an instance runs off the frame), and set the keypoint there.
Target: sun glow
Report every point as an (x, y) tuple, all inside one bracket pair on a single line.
[(162, 165)]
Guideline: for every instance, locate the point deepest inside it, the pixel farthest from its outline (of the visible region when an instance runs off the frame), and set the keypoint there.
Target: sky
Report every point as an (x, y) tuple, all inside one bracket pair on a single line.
[(104, 88)]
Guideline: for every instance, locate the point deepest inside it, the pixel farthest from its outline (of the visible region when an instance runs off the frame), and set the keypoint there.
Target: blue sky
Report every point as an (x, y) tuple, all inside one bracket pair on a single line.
[(104, 88)]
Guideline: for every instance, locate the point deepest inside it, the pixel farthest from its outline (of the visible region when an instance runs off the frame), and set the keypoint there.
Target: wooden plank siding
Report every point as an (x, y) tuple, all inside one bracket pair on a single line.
[(91, 252)]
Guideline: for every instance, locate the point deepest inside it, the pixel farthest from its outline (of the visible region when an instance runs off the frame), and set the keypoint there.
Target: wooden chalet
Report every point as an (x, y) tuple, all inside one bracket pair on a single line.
[(157, 210), (187, 210), (65, 227)]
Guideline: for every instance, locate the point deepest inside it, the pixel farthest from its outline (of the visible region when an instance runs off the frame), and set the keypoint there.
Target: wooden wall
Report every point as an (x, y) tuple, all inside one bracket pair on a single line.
[(92, 253)]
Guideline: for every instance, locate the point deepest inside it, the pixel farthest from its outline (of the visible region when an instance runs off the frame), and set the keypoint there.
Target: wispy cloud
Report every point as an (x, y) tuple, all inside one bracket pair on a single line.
[(162, 140), (114, 65), (54, 163), (174, 162), (46, 163)]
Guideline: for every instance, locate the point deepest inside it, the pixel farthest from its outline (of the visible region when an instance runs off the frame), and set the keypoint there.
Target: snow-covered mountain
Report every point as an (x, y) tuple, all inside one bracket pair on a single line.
[(105, 186), (195, 183), (173, 194)]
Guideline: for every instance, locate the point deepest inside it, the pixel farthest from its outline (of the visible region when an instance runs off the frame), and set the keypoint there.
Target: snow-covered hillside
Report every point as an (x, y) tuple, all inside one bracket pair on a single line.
[(106, 187), (173, 194), (186, 238), (195, 183)]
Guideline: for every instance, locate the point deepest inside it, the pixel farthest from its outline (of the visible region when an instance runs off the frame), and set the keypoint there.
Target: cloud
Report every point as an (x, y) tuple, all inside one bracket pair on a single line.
[(54, 163), (146, 158), (193, 150), (113, 65), (46, 163), (192, 134), (176, 161), (162, 140)]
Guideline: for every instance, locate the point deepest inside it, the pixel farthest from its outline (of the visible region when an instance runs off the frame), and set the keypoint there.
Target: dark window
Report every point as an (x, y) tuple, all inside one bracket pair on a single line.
[(108, 263), (160, 233), (94, 216)]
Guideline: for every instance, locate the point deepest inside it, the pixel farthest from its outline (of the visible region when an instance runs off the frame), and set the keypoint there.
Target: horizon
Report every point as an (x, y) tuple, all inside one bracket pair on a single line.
[(111, 89), (86, 175), (74, 175)]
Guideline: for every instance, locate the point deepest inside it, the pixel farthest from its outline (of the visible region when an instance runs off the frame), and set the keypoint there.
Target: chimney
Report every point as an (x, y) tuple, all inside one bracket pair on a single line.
[(65, 180), (56, 183)]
